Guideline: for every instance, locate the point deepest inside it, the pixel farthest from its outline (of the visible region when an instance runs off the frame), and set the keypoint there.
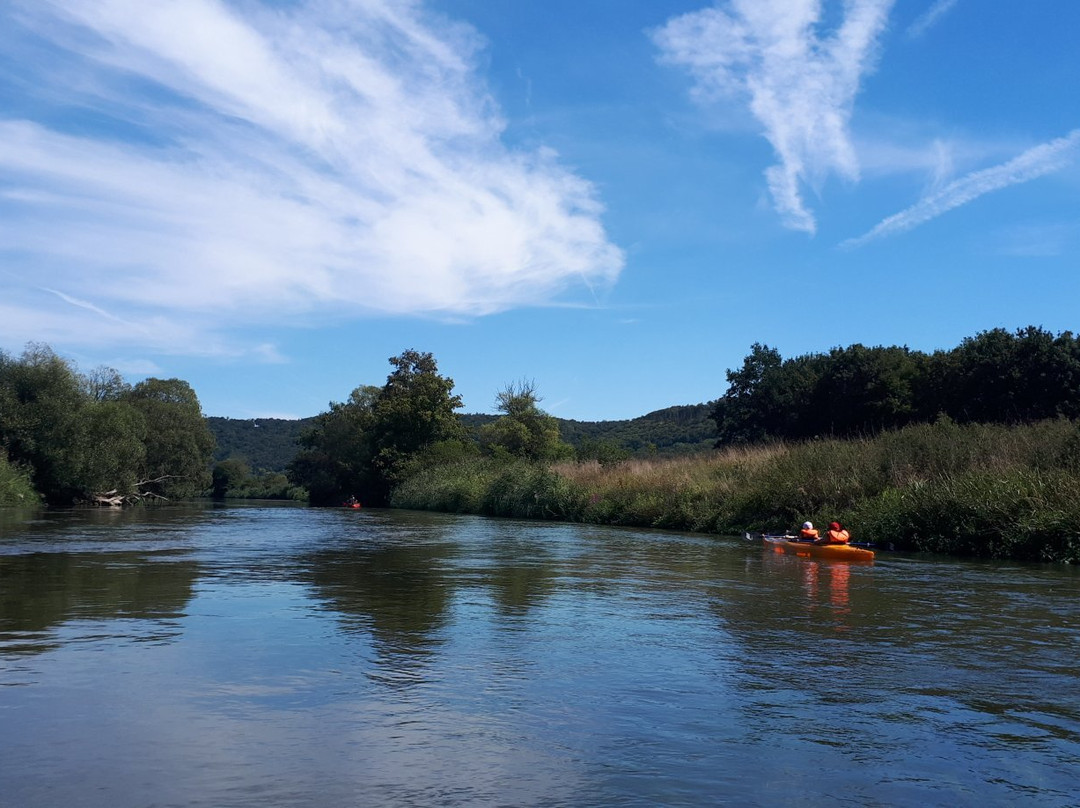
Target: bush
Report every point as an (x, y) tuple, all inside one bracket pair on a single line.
[(15, 486)]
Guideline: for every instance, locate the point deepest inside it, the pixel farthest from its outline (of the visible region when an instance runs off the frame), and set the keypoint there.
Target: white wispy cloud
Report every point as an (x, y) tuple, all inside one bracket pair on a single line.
[(1036, 162), (181, 164), (930, 17), (799, 81)]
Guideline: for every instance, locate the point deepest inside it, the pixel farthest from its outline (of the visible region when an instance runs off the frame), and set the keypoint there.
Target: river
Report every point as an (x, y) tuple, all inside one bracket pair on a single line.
[(286, 656)]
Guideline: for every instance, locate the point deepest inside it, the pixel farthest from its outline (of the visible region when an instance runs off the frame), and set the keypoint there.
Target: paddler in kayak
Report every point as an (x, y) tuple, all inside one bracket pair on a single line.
[(836, 534), (808, 532)]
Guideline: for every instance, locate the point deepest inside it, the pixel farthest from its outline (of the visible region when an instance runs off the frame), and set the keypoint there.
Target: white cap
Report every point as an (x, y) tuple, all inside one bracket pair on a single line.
[(807, 526)]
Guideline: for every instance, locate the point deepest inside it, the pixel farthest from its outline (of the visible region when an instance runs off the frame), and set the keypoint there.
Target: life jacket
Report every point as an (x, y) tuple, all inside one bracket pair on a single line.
[(838, 536), (808, 533)]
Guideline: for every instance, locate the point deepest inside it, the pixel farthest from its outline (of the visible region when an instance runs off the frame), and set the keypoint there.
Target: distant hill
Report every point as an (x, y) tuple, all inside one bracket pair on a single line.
[(265, 444), (674, 430), (269, 444)]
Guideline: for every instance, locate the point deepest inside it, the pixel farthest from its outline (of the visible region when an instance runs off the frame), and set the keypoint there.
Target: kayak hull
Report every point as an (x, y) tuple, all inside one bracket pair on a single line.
[(832, 552)]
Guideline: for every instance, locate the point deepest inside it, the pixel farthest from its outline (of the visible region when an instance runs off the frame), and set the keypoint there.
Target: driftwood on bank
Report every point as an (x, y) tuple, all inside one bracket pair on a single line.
[(115, 499)]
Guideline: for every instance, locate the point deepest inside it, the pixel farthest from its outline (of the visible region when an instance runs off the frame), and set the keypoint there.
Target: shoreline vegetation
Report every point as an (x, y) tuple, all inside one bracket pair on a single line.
[(989, 491), (973, 451)]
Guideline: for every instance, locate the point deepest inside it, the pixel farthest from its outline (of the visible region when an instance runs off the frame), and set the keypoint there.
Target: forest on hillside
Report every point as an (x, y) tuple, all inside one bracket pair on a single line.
[(270, 444)]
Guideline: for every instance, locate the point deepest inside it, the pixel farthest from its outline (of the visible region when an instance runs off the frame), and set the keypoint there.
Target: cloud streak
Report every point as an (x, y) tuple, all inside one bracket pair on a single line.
[(1036, 162), (799, 81), (208, 161), (930, 18)]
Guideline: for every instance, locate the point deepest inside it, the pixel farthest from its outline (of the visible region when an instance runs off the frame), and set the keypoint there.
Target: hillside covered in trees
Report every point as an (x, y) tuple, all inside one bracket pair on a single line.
[(270, 444), (264, 444)]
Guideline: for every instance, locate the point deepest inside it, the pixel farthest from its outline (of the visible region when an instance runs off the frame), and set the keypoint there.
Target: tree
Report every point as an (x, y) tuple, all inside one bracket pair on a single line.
[(1014, 377), (179, 444), (862, 390), (363, 447), (524, 430), (334, 460), (40, 403), (228, 475), (111, 448), (414, 410), (746, 413), (85, 435)]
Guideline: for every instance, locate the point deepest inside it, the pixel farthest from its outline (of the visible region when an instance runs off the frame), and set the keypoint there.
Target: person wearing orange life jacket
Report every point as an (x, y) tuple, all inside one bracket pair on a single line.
[(836, 534), (808, 532)]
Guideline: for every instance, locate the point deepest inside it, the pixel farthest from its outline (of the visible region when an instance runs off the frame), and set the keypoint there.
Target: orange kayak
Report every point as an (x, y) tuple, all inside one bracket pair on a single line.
[(833, 552)]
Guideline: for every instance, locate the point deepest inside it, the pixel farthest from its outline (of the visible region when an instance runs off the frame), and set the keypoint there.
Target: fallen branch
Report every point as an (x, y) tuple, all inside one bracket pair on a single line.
[(114, 499)]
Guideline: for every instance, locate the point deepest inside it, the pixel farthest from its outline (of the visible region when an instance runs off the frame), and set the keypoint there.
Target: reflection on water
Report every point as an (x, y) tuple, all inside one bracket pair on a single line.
[(286, 656)]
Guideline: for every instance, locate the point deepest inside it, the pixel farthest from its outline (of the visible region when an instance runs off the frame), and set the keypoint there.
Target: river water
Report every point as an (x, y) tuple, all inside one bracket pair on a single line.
[(285, 656)]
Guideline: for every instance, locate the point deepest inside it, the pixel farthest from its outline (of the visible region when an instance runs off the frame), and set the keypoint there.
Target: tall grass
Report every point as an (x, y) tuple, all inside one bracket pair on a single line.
[(991, 491), (15, 486)]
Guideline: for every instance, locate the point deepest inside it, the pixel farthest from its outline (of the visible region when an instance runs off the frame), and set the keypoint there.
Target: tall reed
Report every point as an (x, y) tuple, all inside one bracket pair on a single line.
[(991, 491)]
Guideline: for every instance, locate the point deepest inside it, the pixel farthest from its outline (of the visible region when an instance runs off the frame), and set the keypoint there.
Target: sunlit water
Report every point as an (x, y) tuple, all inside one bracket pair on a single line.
[(243, 656)]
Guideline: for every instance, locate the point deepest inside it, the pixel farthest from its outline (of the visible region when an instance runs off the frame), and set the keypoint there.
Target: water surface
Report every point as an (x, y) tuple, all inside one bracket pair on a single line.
[(242, 656)]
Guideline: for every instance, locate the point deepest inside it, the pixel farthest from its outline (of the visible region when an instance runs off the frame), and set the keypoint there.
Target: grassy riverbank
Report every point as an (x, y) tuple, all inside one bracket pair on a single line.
[(989, 491)]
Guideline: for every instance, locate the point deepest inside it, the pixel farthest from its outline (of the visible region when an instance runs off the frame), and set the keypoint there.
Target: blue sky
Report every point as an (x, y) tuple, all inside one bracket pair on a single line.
[(611, 198)]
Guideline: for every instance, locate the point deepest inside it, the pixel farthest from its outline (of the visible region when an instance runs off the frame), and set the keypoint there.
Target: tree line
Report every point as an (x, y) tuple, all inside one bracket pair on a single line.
[(367, 445), (997, 376), (266, 446), (68, 436)]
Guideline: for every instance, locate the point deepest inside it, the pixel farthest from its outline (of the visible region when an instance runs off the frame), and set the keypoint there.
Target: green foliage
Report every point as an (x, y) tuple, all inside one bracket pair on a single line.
[(524, 430), (413, 410), (679, 430), (271, 444), (16, 489), (228, 476), (365, 446), (232, 479), (603, 451), (40, 399), (994, 377), (77, 435), (178, 442), (112, 446), (265, 444), (986, 490), (335, 460)]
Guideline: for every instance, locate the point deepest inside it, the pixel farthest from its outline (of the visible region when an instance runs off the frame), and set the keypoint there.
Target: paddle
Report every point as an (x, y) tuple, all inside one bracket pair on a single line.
[(866, 545)]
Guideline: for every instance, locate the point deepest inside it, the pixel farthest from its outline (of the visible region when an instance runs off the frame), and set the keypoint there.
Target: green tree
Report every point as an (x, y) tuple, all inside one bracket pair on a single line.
[(1005, 377), (524, 430), (861, 390), (365, 446), (748, 411), (228, 475), (603, 451), (108, 447), (413, 411), (335, 455), (178, 442), (40, 402)]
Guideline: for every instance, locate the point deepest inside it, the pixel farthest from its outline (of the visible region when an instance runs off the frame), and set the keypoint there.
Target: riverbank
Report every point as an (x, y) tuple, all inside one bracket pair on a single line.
[(976, 490)]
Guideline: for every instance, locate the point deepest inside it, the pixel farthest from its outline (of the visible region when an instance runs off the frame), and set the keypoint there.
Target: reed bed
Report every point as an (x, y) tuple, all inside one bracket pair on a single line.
[(977, 490)]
